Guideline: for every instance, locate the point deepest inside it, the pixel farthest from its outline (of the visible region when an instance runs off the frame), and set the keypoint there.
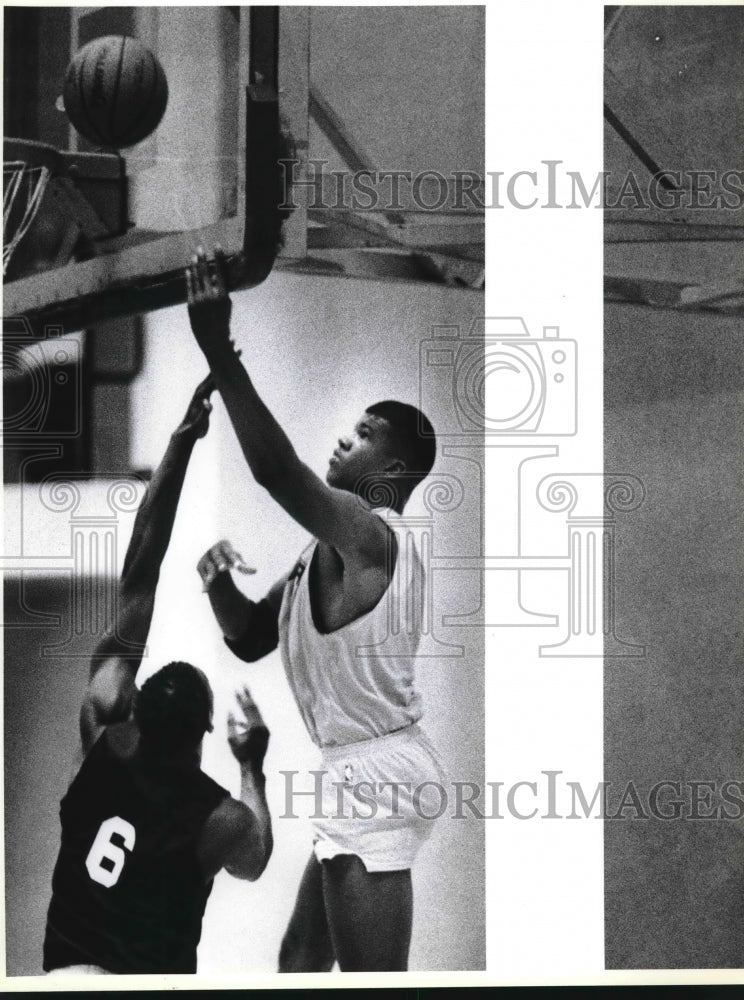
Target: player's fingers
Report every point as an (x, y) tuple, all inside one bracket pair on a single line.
[(205, 388), (195, 282), (250, 719), (220, 268), (251, 712), (233, 556), (223, 555), (237, 729), (244, 697), (246, 718), (196, 278), (236, 722), (216, 279), (236, 561), (190, 290), (207, 271), (231, 552), (202, 268), (207, 570), (221, 562), (212, 559), (213, 552), (239, 562)]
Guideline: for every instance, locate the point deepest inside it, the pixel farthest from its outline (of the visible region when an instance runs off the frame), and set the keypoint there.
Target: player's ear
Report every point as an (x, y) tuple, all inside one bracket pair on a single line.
[(395, 467)]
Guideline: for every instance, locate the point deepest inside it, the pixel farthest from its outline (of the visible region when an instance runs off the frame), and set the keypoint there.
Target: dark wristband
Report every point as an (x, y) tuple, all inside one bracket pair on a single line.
[(261, 634)]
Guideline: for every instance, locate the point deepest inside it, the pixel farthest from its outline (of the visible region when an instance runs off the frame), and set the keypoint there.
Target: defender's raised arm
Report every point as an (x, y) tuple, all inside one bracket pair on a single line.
[(117, 657), (238, 834)]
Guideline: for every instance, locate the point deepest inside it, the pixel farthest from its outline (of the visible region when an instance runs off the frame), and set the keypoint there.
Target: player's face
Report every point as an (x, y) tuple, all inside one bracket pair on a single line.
[(367, 450)]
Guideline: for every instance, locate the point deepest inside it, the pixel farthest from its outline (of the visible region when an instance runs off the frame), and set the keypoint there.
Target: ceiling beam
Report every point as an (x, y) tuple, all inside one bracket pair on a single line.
[(724, 297), (629, 231)]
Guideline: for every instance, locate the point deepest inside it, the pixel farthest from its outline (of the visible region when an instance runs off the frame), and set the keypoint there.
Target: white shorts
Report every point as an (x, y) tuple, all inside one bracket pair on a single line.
[(380, 799)]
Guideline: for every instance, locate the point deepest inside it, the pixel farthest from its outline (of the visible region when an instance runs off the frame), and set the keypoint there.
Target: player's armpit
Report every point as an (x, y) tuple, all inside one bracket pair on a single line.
[(233, 840)]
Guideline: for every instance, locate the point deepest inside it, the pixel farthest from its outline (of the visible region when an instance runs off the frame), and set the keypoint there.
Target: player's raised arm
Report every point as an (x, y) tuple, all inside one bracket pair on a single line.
[(250, 628), (332, 515), (238, 835), (117, 657)]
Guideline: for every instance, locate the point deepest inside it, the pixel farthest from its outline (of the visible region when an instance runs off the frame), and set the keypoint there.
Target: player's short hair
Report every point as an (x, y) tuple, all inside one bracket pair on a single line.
[(412, 434), (173, 708)]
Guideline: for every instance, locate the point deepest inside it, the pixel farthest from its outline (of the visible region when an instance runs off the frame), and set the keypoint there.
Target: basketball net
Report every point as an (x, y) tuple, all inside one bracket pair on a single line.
[(23, 191)]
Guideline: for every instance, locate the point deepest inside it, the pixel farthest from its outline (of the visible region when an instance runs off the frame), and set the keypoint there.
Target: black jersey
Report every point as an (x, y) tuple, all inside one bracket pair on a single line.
[(128, 892)]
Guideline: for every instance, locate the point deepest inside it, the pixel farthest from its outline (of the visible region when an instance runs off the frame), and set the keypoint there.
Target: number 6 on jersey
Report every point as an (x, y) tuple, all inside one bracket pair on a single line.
[(104, 850)]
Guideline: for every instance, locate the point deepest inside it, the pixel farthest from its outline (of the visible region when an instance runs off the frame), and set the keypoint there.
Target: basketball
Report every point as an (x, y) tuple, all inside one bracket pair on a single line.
[(115, 92)]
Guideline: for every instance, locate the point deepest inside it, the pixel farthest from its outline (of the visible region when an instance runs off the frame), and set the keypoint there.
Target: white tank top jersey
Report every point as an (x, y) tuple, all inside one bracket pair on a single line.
[(356, 683)]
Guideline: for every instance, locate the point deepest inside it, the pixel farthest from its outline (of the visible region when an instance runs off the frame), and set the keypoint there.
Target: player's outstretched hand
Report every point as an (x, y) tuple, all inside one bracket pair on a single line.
[(196, 420), (247, 733), (220, 558), (210, 307)]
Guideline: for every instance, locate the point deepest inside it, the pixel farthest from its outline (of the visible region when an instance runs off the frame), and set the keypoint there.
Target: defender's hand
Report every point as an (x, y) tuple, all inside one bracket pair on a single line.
[(196, 420), (210, 307), (220, 558), (247, 733)]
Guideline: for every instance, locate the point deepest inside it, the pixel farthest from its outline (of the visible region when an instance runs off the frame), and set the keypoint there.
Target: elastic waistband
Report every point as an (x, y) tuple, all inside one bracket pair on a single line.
[(363, 747)]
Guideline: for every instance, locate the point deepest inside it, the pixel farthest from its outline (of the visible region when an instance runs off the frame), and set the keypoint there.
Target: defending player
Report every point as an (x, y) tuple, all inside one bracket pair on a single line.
[(144, 830), (355, 900)]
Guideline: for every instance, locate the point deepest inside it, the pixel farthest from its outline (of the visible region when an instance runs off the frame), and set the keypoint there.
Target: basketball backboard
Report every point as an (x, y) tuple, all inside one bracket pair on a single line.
[(183, 185), (208, 174)]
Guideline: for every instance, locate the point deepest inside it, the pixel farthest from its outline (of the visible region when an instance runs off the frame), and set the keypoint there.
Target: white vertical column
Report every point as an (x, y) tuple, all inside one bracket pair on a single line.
[(545, 876)]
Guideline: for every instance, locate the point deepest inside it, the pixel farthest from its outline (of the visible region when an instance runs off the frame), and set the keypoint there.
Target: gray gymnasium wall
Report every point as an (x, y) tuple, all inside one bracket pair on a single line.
[(319, 351), (41, 703), (674, 889)]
